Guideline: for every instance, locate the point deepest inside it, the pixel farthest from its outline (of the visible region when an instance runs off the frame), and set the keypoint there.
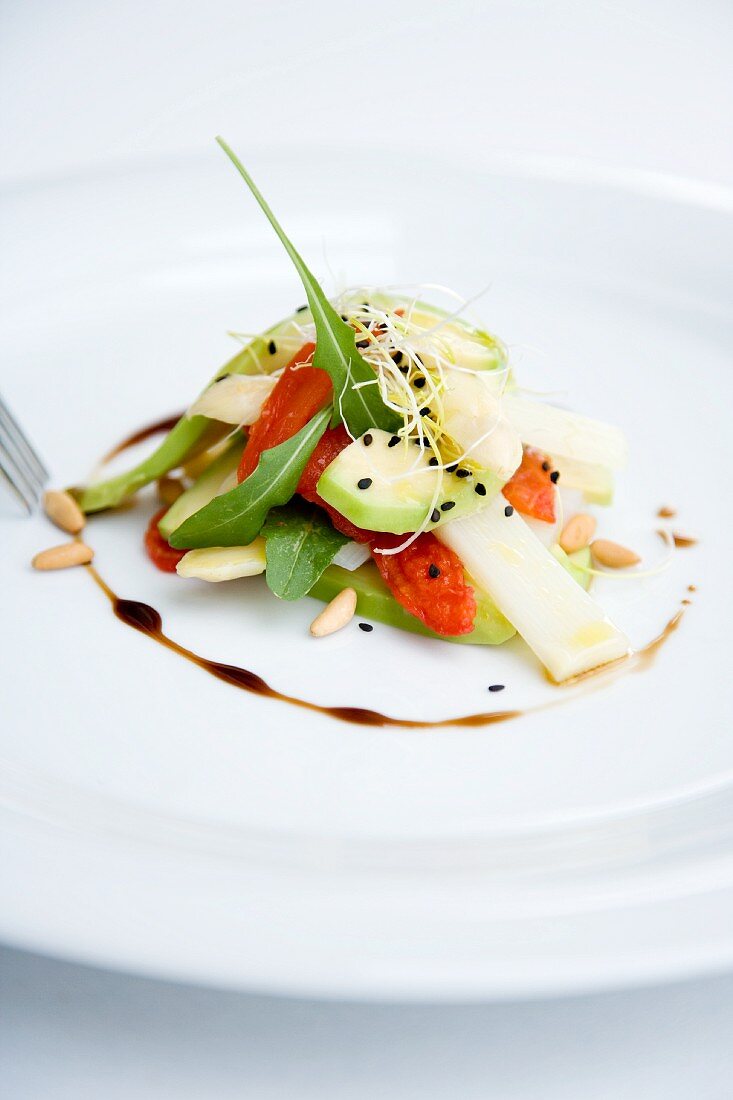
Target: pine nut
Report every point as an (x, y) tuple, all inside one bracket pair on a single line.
[(335, 615), (64, 556), (577, 532), (169, 490), (63, 510), (613, 555)]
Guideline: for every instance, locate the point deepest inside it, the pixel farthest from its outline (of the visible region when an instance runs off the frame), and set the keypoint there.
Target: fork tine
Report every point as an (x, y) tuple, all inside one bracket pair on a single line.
[(16, 482), (20, 466), (15, 457), (22, 443)]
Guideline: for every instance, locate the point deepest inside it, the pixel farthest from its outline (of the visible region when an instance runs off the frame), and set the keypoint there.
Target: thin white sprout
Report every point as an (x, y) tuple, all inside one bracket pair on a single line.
[(636, 574), (388, 335), (340, 402), (396, 387), (455, 315), (441, 289), (465, 302)]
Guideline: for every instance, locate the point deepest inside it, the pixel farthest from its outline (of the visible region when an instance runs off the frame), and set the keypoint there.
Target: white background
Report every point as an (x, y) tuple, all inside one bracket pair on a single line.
[(642, 86)]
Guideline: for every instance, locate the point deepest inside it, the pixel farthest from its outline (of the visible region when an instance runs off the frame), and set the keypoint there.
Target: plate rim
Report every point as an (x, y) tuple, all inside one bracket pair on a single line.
[(707, 959)]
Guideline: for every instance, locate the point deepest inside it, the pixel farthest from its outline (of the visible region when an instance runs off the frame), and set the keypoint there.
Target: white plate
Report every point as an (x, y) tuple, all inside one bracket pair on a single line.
[(156, 819)]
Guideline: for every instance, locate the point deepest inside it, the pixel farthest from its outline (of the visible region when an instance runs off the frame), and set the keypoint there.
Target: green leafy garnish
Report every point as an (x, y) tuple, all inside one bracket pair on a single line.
[(336, 351), (300, 545), (236, 517), (186, 439)]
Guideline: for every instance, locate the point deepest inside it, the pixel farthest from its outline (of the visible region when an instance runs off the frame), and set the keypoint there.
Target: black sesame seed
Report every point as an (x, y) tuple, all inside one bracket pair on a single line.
[(463, 473), (433, 461), (364, 482), (451, 469), (545, 466), (397, 356), (434, 515), (480, 488), (301, 309), (344, 317), (221, 377), (508, 511), (433, 571), (417, 442), (272, 347), (447, 505), (420, 382), (555, 477), (394, 441), (425, 411), (366, 627), (362, 343), (496, 687), (367, 440), (405, 370)]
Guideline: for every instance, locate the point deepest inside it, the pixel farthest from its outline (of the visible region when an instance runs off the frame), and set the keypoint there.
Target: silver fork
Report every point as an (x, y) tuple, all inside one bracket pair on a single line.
[(20, 467)]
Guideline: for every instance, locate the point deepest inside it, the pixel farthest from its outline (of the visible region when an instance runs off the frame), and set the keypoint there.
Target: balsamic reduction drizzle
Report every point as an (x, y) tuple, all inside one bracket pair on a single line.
[(141, 616), (165, 425)]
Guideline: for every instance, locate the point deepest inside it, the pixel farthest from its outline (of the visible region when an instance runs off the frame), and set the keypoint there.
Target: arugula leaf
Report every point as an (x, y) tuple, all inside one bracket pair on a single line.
[(187, 438), (300, 545), (336, 350), (235, 518)]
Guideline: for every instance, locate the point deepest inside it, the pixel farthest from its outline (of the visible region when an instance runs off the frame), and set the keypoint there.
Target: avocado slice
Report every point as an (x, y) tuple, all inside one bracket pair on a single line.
[(384, 483), (460, 341), (204, 489), (375, 601)]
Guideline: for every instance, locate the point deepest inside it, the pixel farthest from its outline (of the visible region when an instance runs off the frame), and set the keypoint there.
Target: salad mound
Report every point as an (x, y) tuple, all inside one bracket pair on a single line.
[(379, 443)]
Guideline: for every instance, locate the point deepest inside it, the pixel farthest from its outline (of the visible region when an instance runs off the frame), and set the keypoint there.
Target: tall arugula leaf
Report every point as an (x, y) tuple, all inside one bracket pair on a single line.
[(336, 350), (300, 545), (235, 518)]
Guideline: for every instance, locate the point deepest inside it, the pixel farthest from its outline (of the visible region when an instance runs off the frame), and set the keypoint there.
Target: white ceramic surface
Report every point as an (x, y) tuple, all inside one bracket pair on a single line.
[(156, 819)]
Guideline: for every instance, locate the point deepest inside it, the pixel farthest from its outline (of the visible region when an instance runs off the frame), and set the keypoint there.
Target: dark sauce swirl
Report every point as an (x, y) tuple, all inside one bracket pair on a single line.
[(165, 425), (141, 616)]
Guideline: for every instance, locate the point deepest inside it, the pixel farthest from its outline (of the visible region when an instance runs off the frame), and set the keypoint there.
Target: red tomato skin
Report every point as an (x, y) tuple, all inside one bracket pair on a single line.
[(445, 603), (298, 395), (163, 556), (332, 443), (530, 490)]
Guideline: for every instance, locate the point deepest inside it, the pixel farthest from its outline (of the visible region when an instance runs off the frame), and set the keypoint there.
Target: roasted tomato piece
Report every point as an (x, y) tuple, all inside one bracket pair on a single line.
[(530, 490), (428, 580), (331, 443), (160, 553), (299, 393)]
